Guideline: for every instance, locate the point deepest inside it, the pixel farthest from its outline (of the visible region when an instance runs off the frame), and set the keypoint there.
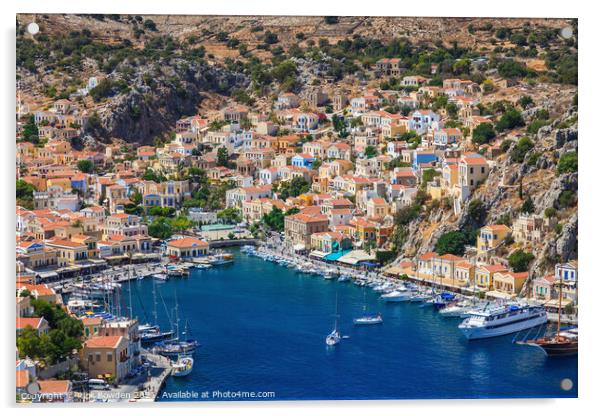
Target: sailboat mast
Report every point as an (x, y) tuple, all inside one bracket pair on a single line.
[(177, 316), (559, 307), (130, 293), (336, 312), (155, 315)]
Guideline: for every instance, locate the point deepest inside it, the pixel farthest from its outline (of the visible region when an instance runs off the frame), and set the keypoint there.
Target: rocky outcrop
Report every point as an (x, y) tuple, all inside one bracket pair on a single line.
[(566, 245), (566, 135), (146, 112), (550, 198)]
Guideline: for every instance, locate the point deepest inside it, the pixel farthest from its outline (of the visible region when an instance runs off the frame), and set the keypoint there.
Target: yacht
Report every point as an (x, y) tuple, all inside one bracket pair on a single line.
[(398, 295), (182, 367), (221, 258), (151, 333), (175, 348), (501, 320), (369, 319)]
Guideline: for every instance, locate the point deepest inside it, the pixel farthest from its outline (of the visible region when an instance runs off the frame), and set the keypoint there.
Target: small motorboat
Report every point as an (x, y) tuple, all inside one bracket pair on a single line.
[(182, 367), (161, 276), (328, 275), (397, 296), (369, 319)]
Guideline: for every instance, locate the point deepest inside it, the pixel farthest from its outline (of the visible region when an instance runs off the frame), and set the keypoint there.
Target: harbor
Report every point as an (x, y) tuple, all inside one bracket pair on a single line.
[(277, 318)]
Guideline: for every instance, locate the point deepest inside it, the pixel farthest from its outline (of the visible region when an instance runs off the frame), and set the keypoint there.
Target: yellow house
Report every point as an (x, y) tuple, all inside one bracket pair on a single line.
[(69, 252), (63, 183), (491, 236), (89, 241), (106, 355), (484, 275), (377, 208), (509, 283), (464, 273), (364, 230)]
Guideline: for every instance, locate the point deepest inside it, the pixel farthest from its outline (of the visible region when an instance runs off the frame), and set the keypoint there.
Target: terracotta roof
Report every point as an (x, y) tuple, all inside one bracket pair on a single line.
[(54, 386), (103, 342), (187, 242), (35, 323), (494, 268)]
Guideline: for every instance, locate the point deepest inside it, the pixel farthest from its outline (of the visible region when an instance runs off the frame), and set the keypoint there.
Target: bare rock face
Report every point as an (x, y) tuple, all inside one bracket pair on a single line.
[(566, 245), (550, 198), (566, 135), (144, 113)]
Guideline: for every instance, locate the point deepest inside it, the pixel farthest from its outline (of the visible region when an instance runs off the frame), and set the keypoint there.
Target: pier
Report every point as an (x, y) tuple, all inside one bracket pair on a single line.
[(157, 374)]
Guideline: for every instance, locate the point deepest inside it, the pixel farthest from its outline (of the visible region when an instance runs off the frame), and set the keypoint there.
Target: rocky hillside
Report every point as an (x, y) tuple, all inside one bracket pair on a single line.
[(149, 109), (502, 197)]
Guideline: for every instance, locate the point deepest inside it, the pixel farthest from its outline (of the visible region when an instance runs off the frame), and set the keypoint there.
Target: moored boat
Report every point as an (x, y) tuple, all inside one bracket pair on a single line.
[(501, 320), (398, 295), (369, 319), (182, 367), (563, 343)]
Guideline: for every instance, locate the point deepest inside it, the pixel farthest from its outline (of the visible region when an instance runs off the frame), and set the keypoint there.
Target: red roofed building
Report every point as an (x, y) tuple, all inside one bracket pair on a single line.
[(298, 228), (39, 324), (106, 355), (187, 247)]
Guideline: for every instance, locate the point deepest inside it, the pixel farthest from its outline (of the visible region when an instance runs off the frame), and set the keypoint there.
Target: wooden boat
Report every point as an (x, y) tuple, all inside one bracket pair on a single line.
[(563, 343)]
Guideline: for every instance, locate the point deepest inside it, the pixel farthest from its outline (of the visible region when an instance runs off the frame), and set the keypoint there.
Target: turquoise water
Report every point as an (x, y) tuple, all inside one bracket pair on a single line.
[(262, 329)]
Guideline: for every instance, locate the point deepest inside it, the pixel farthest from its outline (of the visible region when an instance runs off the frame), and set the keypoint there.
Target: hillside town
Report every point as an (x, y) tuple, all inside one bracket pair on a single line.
[(427, 177)]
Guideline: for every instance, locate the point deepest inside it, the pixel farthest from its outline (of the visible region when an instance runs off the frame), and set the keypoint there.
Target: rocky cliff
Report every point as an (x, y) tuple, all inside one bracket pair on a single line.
[(150, 109)]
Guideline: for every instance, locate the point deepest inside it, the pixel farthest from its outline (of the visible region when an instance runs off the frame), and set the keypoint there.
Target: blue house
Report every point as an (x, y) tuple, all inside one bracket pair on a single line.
[(79, 182), (422, 156), (303, 160)]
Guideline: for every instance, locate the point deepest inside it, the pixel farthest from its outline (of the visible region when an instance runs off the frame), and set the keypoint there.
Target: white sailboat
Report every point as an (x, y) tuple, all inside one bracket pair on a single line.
[(334, 337)]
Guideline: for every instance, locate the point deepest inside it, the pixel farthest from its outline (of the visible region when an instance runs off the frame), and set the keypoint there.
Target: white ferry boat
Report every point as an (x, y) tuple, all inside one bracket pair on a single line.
[(501, 320)]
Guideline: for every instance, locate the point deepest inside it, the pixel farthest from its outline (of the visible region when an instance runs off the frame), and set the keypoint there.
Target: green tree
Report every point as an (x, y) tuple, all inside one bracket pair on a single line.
[(510, 120), (519, 261), (180, 223), (370, 152), (222, 157), (452, 242), (85, 166), (567, 163), (483, 133), (274, 220), (160, 228), (293, 188), (230, 215), (521, 149), (528, 206), (30, 132)]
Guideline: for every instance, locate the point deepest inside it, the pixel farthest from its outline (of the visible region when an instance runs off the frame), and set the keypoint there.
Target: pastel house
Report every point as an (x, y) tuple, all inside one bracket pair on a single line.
[(302, 160)]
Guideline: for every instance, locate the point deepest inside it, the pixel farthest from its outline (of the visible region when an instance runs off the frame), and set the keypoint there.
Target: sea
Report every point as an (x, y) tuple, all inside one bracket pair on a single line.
[(262, 328)]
